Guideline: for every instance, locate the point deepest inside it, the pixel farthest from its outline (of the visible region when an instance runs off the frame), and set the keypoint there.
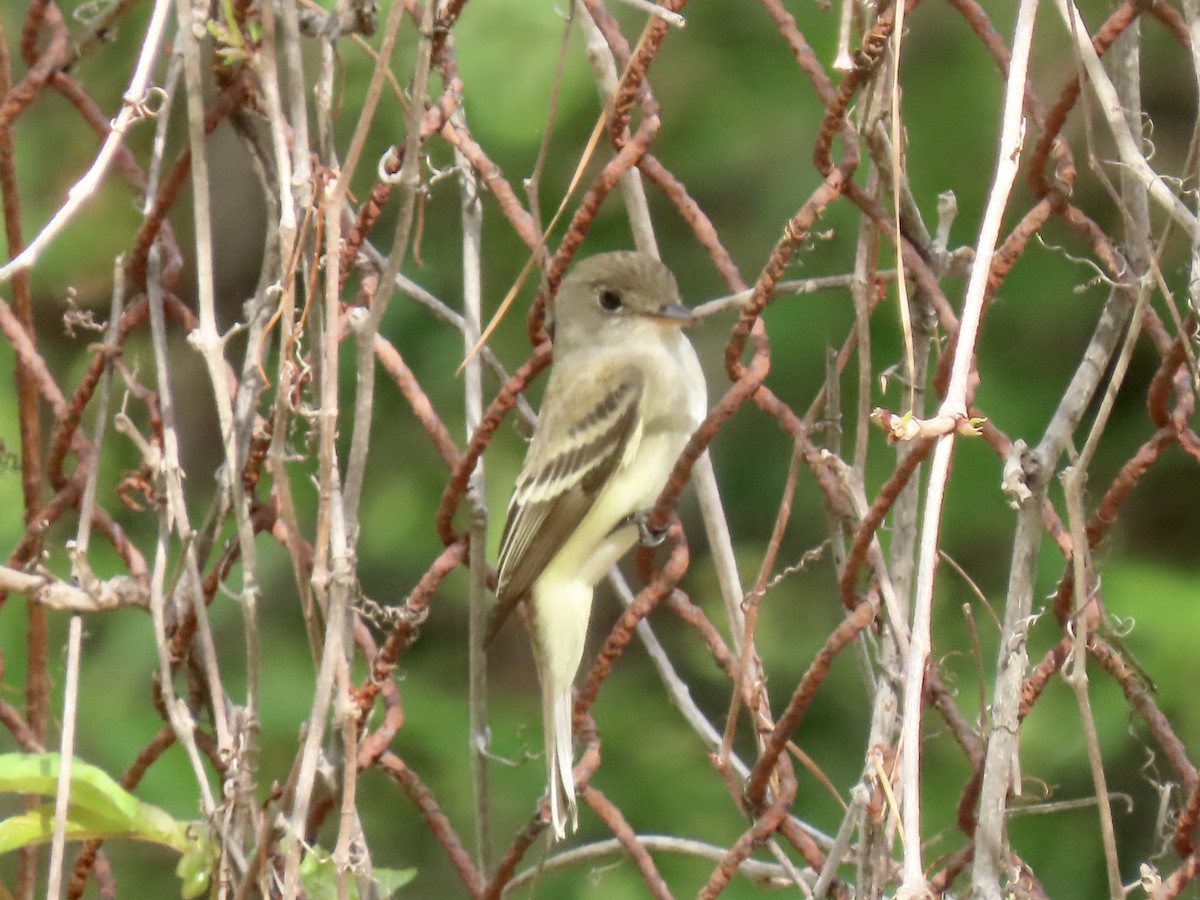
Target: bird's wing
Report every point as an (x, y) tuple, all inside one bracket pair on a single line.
[(577, 448)]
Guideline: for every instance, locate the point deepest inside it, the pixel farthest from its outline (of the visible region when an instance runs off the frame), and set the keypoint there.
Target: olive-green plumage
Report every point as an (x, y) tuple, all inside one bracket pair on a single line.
[(625, 393)]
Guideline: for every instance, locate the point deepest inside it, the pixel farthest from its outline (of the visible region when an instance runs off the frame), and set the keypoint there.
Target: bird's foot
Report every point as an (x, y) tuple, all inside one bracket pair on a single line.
[(649, 536)]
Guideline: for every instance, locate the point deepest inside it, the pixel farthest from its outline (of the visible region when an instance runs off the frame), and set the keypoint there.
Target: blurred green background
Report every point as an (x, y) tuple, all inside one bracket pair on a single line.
[(739, 121)]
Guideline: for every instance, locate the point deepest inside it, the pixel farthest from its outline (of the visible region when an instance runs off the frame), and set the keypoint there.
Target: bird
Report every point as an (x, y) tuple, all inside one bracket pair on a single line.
[(625, 393)]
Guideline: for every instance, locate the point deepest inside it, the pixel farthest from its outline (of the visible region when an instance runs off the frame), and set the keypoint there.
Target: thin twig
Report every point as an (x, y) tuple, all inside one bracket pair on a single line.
[(472, 225), (1128, 148), (648, 6), (1074, 478), (409, 180), (604, 71), (1012, 132), (62, 796), (331, 566), (89, 185), (1075, 671), (761, 873)]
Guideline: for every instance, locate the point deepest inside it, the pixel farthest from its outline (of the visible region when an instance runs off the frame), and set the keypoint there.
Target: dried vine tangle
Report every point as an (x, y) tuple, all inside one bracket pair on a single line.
[(321, 239)]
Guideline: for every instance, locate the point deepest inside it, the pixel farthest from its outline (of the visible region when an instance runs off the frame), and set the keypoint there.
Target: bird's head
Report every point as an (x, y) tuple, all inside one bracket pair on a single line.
[(615, 293)]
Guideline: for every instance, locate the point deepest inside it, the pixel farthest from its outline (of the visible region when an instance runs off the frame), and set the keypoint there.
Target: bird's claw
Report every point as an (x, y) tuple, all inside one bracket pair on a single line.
[(649, 536)]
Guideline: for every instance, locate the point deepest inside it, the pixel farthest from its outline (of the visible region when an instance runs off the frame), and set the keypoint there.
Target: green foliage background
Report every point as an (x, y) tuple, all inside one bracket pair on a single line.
[(739, 125)]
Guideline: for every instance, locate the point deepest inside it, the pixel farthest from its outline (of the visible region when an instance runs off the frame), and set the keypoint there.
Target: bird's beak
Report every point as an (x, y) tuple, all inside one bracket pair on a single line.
[(674, 314)]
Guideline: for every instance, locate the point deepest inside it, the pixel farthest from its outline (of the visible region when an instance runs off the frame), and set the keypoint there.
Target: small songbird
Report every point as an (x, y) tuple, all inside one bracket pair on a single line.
[(626, 391)]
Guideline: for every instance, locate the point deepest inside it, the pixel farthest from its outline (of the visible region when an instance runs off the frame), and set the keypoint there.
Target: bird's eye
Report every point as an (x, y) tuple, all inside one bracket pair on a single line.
[(610, 299)]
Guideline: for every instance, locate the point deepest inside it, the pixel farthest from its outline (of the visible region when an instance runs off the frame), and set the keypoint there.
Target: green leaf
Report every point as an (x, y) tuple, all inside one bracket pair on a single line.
[(194, 868), (318, 874), (98, 808), (36, 827), (97, 804), (391, 880)]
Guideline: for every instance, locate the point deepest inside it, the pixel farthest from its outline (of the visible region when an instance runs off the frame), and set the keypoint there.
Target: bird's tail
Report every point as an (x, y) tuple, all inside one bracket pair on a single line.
[(556, 721), (560, 617)]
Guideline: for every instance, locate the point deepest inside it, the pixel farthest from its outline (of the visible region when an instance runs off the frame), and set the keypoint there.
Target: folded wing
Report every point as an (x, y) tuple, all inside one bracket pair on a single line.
[(569, 463)]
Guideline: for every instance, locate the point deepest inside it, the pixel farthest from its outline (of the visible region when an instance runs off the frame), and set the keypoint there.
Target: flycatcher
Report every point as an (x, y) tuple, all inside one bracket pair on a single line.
[(626, 391)]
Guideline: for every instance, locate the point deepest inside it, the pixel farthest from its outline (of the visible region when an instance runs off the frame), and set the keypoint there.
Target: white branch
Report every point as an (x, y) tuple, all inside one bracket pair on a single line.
[(87, 186), (1011, 137), (1128, 147)]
